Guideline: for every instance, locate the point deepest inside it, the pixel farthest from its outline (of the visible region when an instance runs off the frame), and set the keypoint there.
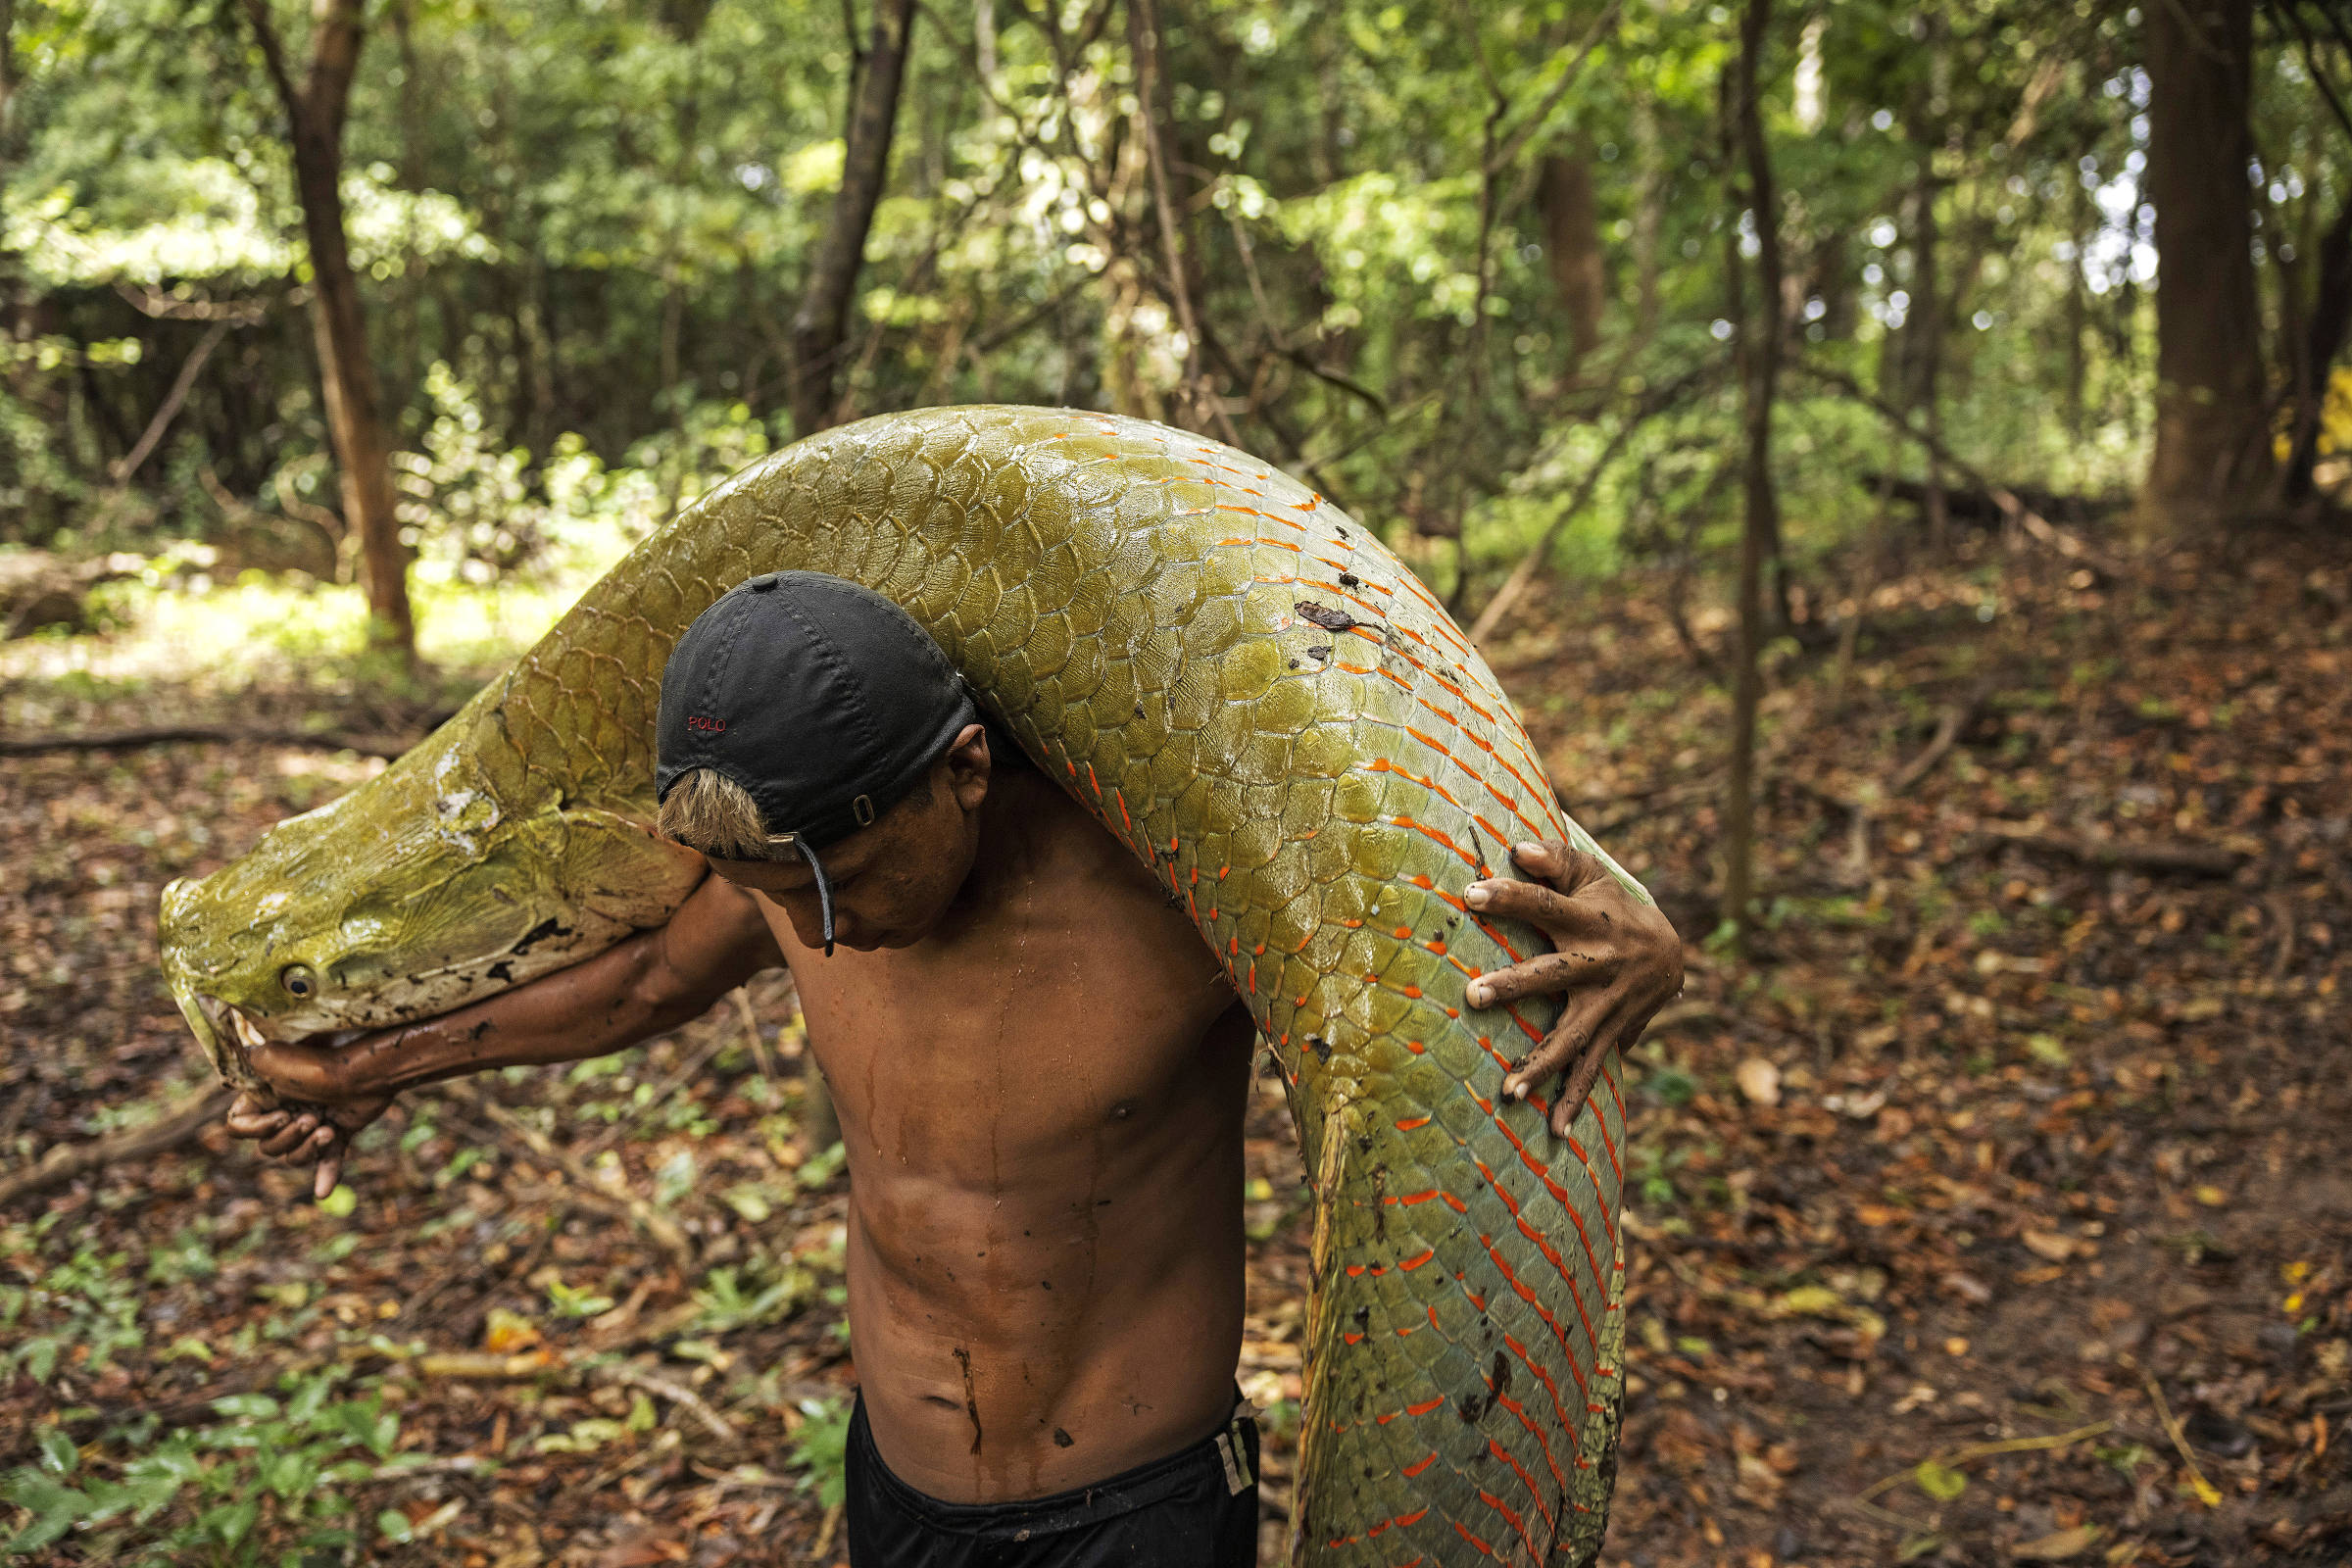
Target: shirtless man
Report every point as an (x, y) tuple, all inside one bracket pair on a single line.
[(1040, 1071)]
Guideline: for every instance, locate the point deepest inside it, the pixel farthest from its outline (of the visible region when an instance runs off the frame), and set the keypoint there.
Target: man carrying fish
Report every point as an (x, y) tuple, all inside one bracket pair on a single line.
[(1040, 1074)]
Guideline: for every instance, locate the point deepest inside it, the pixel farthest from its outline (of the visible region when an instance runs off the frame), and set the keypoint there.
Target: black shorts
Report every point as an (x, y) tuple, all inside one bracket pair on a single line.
[(1193, 1509)]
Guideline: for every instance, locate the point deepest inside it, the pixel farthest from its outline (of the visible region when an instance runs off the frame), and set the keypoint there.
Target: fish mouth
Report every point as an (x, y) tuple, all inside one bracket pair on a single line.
[(226, 1022), (230, 1022)]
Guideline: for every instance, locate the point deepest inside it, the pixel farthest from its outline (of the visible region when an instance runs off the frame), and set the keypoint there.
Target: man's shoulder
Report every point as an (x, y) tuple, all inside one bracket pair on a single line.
[(1076, 849)]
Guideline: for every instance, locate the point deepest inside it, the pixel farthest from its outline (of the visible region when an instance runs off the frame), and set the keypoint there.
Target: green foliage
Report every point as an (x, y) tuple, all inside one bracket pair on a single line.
[(197, 1495), (87, 1306), (569, 1300), (819, 1449), (582, 234), (1939, 1481), (765, 1291)]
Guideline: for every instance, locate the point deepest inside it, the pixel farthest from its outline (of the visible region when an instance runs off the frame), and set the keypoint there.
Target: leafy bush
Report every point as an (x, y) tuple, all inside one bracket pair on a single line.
[(266, 1480), (820, 1449)]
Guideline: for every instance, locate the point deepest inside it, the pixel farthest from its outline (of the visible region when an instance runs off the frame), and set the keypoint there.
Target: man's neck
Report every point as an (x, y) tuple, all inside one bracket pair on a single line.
[(1021, 835)]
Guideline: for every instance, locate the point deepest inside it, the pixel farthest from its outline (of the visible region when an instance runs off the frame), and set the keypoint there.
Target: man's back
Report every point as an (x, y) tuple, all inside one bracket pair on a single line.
[(1042, 1107)]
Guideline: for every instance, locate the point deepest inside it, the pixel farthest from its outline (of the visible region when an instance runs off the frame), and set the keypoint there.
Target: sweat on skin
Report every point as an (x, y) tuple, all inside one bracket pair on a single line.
[(1041, 1078)]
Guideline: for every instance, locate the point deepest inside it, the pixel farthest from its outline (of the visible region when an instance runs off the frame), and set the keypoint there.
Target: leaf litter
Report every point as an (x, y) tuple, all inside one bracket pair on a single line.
[(1998, 1209)]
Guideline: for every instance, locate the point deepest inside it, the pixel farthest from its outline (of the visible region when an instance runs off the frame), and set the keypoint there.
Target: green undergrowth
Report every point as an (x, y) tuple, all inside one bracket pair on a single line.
[(305, 1467)]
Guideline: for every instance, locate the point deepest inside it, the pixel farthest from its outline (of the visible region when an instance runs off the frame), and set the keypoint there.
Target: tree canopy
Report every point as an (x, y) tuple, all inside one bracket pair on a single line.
[(1440, 262)]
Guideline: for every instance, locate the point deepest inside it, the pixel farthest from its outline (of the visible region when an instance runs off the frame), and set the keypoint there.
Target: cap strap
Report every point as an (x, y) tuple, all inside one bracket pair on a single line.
[(824, 887), (824, 884)]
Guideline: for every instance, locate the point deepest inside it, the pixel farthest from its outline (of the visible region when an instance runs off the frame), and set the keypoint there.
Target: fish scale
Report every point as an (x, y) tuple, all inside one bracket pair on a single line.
[(1248, 690)]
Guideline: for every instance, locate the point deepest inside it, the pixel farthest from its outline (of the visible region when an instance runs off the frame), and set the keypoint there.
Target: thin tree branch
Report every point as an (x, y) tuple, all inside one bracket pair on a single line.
[(273, 56), (1602, 26), (169, 408), (162, 306), (2293, 9), (1658, 401), (130, 740)]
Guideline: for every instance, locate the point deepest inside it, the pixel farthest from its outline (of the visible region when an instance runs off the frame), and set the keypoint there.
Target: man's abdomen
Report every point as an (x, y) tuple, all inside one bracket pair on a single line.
[(1080, 1319)]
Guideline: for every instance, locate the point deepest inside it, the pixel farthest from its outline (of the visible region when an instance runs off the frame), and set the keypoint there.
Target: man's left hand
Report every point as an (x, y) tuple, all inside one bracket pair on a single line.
[(1618, 961)]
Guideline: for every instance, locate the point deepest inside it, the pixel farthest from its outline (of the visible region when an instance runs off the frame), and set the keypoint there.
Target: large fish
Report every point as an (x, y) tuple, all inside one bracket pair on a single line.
[(1254, 696)]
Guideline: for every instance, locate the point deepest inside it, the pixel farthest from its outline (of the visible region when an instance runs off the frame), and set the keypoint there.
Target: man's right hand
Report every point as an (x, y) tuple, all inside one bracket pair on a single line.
[(321, 1132)]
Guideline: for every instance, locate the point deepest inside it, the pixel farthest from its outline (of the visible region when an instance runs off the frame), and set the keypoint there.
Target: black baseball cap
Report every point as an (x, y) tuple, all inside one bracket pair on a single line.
[(820, 698)]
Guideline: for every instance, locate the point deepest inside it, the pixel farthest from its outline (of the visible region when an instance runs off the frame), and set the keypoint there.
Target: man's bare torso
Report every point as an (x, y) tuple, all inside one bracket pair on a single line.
[(1041, 1104)]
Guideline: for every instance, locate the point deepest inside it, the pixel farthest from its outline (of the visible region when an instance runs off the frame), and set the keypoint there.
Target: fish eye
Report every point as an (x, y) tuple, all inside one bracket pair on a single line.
[(298, 980)]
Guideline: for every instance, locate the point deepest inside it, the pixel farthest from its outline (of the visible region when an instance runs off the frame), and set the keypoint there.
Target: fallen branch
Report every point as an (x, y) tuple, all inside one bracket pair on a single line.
[(128, 740), (2207, 1492), (175, 1125), (2283, 915), (677, 1394), (39, 589), (1954, 720), (1685, 1013), (824, 1533), (1967, 504), (2035, 527), (487, 1366), (455, 1465), (1985, 1450), (2190, 860)]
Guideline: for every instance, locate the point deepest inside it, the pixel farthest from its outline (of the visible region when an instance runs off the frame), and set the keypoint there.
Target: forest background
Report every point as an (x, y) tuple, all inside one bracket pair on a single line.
[(1892, 452)]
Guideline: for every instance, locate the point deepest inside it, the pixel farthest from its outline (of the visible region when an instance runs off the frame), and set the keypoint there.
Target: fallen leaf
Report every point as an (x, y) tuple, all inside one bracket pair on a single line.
[(1939, 1481), (2059, 1545), (1759, 1080), (1968, 1287), (505, 1331), (1812, 1301), (2048, 1243)]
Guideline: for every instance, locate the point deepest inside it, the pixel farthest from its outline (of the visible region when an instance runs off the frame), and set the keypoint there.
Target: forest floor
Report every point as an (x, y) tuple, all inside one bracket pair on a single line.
[(1998, 1207)]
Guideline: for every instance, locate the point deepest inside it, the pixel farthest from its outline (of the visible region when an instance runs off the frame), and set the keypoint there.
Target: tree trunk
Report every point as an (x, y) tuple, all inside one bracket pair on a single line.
[(2212, 436), (1155, 115), (316, 110), (1759, 535), (1571, 243), (1650, 177), (820, 325), (2323, 340), (408, 330), (1925, 361), (1924, 326), (354, 408), (2082, 225)]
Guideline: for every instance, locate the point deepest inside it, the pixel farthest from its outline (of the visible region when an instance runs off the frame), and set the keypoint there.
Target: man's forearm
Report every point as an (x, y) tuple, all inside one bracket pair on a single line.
[(652, 982), (521, 1028)]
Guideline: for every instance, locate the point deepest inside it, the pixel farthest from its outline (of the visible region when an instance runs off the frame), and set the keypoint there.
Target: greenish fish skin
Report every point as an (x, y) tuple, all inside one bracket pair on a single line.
[(1246, 688)]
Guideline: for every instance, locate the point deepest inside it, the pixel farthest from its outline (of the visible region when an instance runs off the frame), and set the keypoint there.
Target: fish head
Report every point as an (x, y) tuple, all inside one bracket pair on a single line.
[(452, 875)]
